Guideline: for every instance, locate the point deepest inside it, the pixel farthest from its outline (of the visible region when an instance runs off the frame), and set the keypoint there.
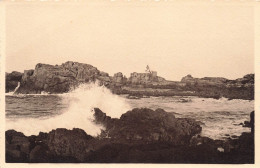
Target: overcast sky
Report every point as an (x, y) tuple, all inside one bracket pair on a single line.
[(173, 39)]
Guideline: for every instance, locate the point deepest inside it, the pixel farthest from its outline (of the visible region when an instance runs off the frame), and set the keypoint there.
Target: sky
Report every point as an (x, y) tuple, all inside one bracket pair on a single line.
[(174, 39)]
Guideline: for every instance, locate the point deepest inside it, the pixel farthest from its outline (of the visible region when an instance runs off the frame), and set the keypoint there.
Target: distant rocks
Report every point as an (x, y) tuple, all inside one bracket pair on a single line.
[(11, 80), (145, 78), (61, 78), (205, 80), (246, 81), (187, 78), (119, 79)]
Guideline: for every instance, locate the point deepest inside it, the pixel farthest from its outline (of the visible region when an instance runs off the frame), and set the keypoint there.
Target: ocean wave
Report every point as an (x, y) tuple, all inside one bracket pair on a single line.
[(79, 113)]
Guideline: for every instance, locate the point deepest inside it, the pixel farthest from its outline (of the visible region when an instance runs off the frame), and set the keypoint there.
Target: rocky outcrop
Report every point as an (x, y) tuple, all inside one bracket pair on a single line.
[(119, 79), (139, 136), (246, 81), (205, 80), (59, 78), (12, 80), (136, 127), (149, 126), (145, 78), (208, 87), (55, 146)]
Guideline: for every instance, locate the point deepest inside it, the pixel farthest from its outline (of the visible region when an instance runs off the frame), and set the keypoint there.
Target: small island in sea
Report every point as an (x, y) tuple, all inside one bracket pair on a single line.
[(145, 118)]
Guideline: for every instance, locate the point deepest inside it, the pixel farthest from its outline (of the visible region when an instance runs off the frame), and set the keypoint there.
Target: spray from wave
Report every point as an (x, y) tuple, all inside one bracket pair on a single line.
[(79, 113)]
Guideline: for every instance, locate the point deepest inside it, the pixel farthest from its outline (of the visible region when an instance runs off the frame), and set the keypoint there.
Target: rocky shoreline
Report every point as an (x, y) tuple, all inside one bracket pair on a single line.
[(139, 136), (62, 78)]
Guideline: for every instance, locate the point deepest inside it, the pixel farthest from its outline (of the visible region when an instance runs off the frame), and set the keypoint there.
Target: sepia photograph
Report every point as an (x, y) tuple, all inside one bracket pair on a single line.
[(125, 81)]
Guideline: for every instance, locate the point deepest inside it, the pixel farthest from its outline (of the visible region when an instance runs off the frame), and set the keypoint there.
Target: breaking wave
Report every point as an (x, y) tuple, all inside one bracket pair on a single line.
[(79, 113)]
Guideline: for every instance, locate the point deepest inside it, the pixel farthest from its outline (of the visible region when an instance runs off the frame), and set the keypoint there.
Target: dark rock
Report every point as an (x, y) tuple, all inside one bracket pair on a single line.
[(18, 140), (17, 146), (147, 125), (246, 124), (119, 79), (59, 79), (234, 136), (198, 140), (69, 143), (250, 123), (12, 80), (38, 155)]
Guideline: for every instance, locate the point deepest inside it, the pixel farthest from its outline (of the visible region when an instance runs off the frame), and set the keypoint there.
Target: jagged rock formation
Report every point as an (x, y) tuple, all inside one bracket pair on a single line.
[(148, 126), (59, 79)]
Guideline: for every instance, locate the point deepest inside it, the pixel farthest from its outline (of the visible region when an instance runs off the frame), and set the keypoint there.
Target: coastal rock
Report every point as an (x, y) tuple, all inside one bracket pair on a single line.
[(145, 78), (63, 78), (204, 81), (38, 154), (250, 123), (11, 80), (59, 78), (119, 79), (187, 78), (17, 146), (147, 125), (69, 143)]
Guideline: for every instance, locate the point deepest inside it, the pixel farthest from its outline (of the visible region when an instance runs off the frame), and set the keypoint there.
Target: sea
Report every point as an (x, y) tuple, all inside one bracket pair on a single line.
[(34, 113)]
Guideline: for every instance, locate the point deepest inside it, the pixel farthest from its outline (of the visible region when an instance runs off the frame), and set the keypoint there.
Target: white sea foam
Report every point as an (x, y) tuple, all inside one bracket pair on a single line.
[(220, 117), (81, 101)]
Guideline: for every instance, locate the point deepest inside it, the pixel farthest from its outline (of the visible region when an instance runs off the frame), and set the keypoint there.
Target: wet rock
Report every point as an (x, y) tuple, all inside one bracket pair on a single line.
[(147, 125)]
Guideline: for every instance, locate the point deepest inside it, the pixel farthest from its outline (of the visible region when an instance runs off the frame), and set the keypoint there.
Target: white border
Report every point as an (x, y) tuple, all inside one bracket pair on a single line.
[(255, 3)]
